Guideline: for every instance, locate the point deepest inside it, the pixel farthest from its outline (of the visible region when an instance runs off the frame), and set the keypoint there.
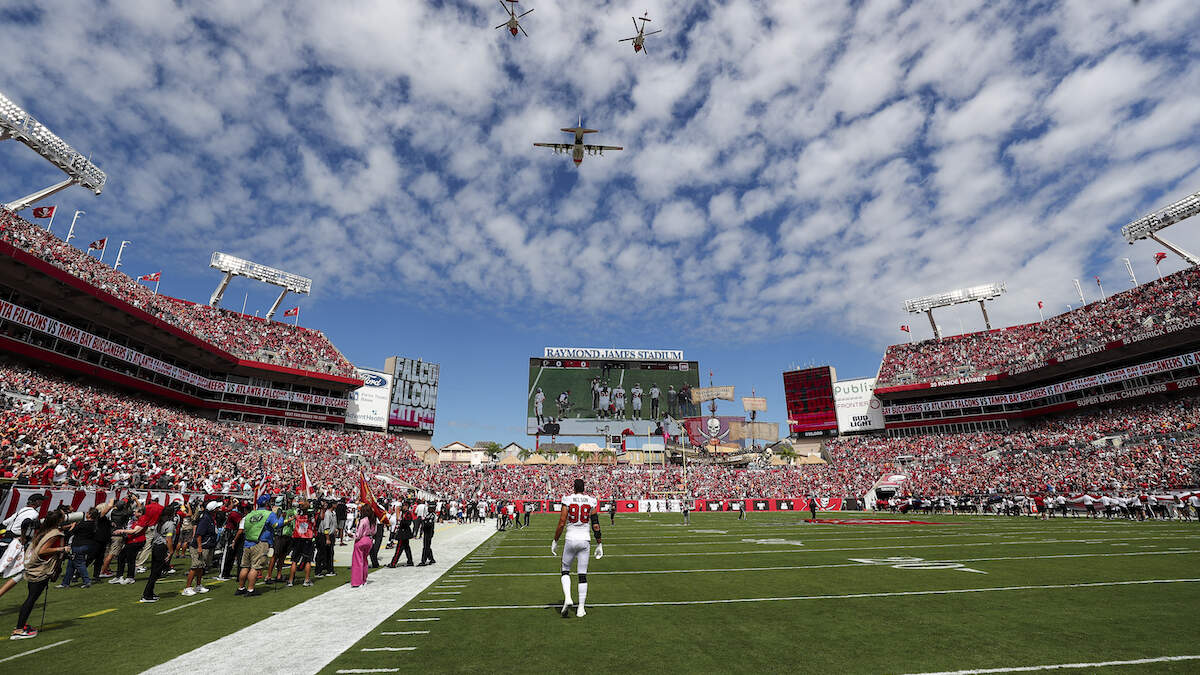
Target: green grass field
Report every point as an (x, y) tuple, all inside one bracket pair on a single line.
[(111, 632), (774, 594), (769, 594)]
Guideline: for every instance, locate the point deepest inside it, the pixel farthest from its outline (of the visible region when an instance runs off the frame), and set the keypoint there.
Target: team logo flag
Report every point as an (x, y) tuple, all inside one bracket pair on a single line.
[(1159, 257), (295, 311), (150, 277), (367, 498), (98, 245), (44, 212)]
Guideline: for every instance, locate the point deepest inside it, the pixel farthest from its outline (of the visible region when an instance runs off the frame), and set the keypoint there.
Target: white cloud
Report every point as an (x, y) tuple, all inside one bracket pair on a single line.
[(784, 160)]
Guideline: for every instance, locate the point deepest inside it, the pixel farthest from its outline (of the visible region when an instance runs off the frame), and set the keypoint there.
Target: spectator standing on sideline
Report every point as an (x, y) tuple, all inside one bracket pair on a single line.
[(426, 537), (327, 534), (404, 529), (202, 546), (257, 529), (303, 534), (41, 566), (160, 539), (233, 541), (340, 510), (364, 536)]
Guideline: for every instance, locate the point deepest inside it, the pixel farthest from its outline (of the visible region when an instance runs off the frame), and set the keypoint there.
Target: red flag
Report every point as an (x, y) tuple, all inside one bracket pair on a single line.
[(1040, 305), (98, 245), (1097, 281), (305, 485), (151, 277), (367, 499), (904, 327), (295, 311), (1159, 257), (44, 212)]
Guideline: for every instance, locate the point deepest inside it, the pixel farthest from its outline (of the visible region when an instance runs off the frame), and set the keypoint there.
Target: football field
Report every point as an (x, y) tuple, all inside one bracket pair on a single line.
[(768, 594), (776, 594)]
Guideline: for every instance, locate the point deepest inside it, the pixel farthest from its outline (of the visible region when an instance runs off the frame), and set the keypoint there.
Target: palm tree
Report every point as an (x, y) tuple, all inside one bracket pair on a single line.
[(524, 454), (787, 452), (493, 450)]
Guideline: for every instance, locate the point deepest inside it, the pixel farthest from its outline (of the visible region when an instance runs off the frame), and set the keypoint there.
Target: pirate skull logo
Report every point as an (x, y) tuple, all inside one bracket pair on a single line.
[(711, 431)]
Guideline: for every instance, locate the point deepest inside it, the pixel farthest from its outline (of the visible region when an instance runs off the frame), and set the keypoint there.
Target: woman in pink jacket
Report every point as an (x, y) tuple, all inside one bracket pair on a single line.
[(363, 539)]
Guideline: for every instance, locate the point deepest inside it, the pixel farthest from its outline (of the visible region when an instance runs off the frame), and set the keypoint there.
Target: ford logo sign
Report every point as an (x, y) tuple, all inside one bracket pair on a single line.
[(373, 380)]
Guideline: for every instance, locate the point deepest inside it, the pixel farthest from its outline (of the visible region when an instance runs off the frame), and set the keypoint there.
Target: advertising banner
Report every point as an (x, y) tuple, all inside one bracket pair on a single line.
[(68, 333), (857, 407), (368, 405), (414, 394)]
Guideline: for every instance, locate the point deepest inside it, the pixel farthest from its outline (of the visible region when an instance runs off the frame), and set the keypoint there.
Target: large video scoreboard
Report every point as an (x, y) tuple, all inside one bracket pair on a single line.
[(583, 391), (811, 408)]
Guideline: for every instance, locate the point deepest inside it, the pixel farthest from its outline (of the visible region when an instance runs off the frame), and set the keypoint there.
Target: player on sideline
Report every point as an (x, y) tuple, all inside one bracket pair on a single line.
[(578, 516)]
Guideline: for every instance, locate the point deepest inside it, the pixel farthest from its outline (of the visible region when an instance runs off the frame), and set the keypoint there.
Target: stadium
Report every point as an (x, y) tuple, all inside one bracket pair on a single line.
[(1019, 498)]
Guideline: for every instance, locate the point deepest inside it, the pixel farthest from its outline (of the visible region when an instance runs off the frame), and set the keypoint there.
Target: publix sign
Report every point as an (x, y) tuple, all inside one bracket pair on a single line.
[(857, 407)]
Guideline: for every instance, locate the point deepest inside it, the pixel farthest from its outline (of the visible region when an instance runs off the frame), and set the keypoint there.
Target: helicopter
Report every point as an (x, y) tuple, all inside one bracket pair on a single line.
[(639, 40), (513, 22)]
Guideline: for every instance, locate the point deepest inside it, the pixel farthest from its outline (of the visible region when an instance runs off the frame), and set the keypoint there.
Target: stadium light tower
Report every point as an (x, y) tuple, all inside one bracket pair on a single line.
[(233, 266), (19, 125), (1147, 226), (978, 294)]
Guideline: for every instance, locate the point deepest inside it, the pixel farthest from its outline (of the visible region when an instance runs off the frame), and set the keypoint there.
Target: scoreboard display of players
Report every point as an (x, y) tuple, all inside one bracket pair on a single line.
[(584, 396), (811, 408)]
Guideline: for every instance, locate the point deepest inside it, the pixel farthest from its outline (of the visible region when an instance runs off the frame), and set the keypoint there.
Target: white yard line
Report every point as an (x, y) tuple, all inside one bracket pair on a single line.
[(332, 621), (857, 548), (405, 632), (1067, 666), (837, 565), (368, 670), (533, 387), (431, 618), (387, 649), (176, 609), (34, 651), (848, 596)]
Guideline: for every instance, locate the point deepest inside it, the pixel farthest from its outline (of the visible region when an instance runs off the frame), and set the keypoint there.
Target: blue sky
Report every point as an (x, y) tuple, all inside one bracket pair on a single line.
[(793, 170)]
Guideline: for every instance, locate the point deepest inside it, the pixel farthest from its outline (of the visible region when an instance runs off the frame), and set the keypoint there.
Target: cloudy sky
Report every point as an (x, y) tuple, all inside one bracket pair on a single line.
[(792, 170)]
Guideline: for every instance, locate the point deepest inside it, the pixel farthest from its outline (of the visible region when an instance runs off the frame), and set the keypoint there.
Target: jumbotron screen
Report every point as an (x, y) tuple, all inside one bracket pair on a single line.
[(581, 397), (811, 408)]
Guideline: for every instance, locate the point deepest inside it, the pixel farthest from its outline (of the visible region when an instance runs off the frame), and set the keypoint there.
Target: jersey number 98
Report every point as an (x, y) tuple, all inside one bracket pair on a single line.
[(578, 513)]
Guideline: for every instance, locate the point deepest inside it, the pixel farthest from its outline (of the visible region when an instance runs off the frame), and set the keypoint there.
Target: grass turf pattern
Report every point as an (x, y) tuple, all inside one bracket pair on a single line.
[(111, 632), (976, 592)]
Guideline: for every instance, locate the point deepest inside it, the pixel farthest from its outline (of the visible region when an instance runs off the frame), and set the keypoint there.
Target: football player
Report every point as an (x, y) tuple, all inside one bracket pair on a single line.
[(580, 520), (539, 399), (619, 402), (636, 392)]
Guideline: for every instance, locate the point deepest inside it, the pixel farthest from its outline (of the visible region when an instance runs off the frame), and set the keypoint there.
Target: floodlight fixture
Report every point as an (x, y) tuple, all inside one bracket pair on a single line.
[(19, 125), (1148, 226), (980, 294), (234, 266)]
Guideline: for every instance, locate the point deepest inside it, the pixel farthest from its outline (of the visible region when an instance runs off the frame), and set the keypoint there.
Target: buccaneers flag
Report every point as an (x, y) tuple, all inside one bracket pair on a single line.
[(367, 499), (44, 212), (98, 245), (292, 312)]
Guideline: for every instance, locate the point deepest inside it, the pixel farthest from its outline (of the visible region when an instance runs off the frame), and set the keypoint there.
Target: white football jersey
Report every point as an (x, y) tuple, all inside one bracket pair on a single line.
[(579, 509)]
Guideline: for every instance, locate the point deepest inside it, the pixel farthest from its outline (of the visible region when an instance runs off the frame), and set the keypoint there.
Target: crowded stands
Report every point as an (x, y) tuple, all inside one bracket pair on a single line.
[(247, 337), (57, 431), (1150, 309), (54, 431)]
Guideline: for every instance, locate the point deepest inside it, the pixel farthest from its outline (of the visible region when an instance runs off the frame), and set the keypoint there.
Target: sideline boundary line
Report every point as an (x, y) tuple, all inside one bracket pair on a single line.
[(34, 651), (848, 596), (617, 573), (1065, 666)]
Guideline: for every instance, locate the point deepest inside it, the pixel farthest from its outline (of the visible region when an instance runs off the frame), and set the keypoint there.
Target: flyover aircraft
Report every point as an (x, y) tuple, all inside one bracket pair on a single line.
[(578, 148)]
